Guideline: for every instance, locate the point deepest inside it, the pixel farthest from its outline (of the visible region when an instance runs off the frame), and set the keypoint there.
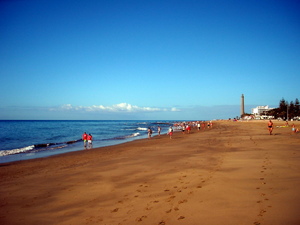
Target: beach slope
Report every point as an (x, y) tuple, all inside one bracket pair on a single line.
[(232, 173)]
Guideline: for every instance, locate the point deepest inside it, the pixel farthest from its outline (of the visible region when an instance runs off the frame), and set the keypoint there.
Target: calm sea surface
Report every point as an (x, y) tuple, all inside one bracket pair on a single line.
[(28, 139)]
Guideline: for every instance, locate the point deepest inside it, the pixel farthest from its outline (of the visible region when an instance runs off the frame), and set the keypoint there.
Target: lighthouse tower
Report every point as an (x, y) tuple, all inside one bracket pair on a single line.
[(242, 105)]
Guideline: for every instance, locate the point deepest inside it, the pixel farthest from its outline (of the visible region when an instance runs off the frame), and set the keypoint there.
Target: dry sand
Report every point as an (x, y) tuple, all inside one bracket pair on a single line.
[(233, 174)]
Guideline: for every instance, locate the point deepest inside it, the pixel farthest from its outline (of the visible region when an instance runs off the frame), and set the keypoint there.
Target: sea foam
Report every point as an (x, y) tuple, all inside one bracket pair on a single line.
[(16, 151), (141, 128)]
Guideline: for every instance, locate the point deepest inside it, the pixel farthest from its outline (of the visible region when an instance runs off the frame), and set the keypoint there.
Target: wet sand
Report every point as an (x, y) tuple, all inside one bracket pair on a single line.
[(234, 173)]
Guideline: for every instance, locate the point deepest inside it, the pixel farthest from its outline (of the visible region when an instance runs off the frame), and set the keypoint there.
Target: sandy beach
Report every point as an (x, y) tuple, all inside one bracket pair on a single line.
[(233, 174)]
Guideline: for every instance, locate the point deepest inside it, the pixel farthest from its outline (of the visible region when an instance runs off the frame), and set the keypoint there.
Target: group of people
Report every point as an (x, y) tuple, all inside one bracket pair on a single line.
[(270, 127), (184, 127), (150, 131), (200, 125), (170, 131), (87, 140)]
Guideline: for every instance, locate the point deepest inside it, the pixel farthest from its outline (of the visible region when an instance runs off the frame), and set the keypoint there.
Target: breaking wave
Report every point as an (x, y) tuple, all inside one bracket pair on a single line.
[(37, 147), (16, 151), (141, 128)]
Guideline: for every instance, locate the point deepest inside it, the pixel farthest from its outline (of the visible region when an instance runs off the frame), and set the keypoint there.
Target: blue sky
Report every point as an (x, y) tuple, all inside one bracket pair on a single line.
[(140, 59)]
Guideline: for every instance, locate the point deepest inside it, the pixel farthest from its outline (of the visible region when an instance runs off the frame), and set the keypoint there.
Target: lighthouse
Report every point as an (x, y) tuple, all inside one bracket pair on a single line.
[(242, 105)]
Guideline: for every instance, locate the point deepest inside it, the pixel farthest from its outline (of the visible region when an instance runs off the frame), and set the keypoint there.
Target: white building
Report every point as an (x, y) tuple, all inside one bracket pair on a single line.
[(259, 111)]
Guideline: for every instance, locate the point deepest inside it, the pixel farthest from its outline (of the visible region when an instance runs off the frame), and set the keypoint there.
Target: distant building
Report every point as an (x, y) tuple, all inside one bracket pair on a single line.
[(259, 112)]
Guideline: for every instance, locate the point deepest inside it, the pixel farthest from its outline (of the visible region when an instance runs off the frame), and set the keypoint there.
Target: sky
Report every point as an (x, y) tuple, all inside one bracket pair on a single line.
[(146, 59)]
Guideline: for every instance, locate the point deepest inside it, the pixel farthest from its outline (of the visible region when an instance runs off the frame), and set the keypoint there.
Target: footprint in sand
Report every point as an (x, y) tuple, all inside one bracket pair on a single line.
[(182, 201), (139, 219), (115, 210), (170, 198), (168, 211), (262, 212)]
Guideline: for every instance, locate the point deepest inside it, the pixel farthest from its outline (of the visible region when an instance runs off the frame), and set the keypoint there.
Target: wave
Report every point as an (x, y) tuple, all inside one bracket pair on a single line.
[(16, 151), (37, 147), (123, 137), (141, 128), (133, 135)]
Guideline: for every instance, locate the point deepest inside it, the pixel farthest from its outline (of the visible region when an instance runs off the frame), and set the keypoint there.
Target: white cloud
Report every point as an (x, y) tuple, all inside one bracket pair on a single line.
[(121, 107), (175, 110)]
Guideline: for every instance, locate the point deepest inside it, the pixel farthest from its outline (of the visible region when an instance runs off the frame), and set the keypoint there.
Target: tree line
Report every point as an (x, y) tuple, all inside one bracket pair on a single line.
[(285, 110)]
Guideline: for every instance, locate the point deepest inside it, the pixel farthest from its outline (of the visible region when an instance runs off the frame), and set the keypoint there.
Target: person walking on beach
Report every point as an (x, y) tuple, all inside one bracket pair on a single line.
[(199, 126), (270, 127), (90, 139), (188, 128), (149, 132), (158, 130), (84, 138), (170, 132), (183, 128), (203, 125)]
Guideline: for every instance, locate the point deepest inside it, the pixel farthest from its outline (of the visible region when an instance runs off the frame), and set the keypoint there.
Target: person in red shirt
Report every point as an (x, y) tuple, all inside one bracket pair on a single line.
[(84, 138), (188, 128), (89, 139)]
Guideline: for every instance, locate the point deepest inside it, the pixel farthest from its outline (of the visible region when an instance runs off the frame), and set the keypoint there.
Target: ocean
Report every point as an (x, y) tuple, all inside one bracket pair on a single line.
[(29, 139)]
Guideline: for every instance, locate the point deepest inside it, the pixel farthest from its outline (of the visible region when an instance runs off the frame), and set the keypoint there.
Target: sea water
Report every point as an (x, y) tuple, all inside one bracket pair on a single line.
[(28, 139)]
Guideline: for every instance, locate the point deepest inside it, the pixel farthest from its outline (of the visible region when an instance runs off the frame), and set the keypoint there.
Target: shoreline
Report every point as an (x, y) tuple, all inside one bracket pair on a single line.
[(47, 147), (234, 173)]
